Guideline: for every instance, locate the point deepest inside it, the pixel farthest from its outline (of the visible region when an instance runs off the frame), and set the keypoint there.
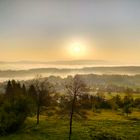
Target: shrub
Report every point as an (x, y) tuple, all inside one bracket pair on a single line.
[(13, 115), (127, 109)]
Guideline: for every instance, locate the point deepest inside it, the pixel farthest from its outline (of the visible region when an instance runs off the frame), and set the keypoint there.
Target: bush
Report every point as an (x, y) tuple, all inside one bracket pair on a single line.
[(13, 115), (127, 109), (137, 103)]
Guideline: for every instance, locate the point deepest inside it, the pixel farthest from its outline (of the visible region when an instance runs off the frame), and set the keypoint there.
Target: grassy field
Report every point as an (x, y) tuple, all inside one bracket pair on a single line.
[(103, 123)]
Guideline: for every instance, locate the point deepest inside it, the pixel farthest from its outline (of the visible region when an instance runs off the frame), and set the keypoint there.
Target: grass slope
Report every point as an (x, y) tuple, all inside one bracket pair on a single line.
[(56, 128)]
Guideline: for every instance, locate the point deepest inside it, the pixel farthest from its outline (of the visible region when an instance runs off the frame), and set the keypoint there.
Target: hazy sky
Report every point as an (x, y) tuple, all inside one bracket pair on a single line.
[(43, 30)]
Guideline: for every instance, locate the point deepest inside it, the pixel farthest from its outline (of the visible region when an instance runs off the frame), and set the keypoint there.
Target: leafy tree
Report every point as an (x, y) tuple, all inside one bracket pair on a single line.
[(112, 104), (128, 104), (24, 90), (115, 102), (9, 89), (127, 109), (128, 100), (118, 101), (95, 102), (85, 101)]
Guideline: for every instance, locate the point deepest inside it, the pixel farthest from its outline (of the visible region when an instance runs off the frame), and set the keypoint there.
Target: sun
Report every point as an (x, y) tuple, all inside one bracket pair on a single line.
[(77, 49)]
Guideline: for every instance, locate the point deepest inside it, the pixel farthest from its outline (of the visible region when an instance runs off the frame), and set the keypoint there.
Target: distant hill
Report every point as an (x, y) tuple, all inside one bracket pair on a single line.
[(67, 62), (128, 70)]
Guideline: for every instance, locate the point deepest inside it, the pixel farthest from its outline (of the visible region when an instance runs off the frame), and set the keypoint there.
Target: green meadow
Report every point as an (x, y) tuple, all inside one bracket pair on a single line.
[(105, 123)]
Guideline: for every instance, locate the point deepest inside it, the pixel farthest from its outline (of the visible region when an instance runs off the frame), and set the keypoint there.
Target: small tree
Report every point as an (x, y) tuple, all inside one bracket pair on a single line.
[(75, 87), (112, 104), (118, 101), (127, 109), (40, 93), (128, 104)]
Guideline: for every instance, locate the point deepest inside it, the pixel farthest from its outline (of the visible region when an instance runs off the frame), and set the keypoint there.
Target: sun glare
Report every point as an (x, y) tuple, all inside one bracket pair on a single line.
[(77, 49)]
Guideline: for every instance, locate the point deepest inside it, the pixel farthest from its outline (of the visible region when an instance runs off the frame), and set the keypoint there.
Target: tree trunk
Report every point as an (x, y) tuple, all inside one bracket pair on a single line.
[(38, 113), (71, 117)]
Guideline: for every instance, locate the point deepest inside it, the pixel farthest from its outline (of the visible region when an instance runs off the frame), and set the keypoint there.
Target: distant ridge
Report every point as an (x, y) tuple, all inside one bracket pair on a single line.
[(65, 62), (127, 70), (74, 62)]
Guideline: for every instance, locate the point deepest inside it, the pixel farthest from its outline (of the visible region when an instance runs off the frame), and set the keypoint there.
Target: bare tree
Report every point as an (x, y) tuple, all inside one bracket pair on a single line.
[(75, 87), (41, 90)]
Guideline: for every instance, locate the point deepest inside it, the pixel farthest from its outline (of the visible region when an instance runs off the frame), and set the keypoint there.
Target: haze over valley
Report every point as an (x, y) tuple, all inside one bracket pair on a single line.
[(24, 70)]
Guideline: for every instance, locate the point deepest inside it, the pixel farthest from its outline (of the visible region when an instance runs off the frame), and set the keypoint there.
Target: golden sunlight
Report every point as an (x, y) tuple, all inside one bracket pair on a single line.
[(77, 49)]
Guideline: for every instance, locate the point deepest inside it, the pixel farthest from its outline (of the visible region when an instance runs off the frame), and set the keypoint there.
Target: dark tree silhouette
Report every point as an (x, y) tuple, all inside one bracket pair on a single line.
[(14, 89), (128, 104), (75, 87)]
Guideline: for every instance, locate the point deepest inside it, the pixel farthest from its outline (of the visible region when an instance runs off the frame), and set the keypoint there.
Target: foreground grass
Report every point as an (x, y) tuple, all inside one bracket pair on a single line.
[(56, 128)]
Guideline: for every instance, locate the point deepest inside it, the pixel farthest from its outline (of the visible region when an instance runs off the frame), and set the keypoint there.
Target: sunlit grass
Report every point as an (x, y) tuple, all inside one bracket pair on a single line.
[(57, 128)]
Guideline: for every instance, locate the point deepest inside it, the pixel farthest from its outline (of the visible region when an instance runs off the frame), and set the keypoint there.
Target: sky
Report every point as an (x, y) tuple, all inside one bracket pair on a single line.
[(50, 30)]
